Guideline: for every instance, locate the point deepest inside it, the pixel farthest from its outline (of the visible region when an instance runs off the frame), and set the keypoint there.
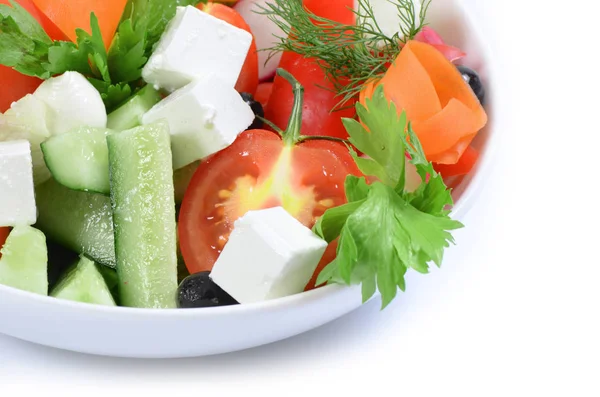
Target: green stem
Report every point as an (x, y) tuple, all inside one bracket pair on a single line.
[(291, 135)]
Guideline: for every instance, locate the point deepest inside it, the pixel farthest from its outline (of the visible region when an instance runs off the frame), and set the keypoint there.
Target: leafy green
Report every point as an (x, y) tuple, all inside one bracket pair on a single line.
[(151, 17), (380, 135), (23, 42), (116, 74), (383, 230)]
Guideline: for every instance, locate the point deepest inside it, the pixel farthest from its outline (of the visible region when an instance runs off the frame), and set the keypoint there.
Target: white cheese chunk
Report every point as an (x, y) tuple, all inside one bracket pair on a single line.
[(26, 119), (269, 255), (204, 117), (17, 197), (195, 44), (72, 102)]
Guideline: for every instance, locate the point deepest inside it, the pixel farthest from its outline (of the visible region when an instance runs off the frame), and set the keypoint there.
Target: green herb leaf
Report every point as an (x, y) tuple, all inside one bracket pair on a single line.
[(380, 135), (113, 95), (23, 42), (126, 55), (384, 231), (350, 55), (385, 236)]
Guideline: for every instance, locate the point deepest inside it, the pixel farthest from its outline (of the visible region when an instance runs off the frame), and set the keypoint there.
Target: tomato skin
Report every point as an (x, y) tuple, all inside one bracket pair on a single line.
[(310, 179), (263, 93), (4, 232), (248, 79), (336, 10), (14, 84), (464, 165), (319, 100)]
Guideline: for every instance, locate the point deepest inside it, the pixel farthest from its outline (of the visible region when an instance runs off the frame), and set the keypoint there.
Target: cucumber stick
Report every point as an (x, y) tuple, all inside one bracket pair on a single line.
[(84, 283), (79, 159), (24, 261), (142, 195), (80, 221), (130, 113)]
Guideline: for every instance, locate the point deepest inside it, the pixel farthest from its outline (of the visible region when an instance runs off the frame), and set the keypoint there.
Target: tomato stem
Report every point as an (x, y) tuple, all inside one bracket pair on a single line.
[(291, 135)]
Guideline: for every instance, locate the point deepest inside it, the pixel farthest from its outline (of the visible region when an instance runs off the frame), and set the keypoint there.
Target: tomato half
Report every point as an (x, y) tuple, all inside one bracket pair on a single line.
[(248, 79), (4, 232), (258, 171)]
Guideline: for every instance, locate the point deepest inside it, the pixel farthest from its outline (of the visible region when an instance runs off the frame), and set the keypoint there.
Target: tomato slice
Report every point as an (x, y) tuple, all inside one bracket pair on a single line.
[(4, 232), (248, 79), (258, 171)]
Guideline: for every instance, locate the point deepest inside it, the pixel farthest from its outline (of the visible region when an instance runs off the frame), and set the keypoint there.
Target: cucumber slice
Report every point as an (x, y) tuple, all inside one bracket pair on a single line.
[(129, 115), (80, 221), (79, 159), (84, 283), (24, 262), (142, 196)]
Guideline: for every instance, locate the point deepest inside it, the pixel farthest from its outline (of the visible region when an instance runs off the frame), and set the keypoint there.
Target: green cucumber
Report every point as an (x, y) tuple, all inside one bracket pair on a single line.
[(24, 261), (142, 195), (80, 221), (84, 283), (130, 113), (79, 159)]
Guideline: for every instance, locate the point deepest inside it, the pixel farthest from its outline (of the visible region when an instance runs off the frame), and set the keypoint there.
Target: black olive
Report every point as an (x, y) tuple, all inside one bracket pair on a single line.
[(474, 81), (198, 290), (256, 108)]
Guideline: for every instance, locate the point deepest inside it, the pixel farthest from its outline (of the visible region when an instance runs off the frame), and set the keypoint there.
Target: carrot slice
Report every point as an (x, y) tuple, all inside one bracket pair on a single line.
[(4, 232), (444, 111), (70, 15)]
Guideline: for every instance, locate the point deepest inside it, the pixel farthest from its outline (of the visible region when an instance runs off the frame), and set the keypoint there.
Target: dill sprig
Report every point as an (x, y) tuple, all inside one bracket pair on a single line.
[(350, 55)]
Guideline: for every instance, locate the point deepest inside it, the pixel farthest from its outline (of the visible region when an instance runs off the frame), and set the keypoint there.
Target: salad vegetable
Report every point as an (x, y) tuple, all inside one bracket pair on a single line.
[(186, 154)]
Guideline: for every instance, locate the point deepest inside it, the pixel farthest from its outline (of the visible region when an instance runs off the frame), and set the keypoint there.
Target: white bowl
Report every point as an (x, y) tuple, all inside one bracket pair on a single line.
[(143, 333)]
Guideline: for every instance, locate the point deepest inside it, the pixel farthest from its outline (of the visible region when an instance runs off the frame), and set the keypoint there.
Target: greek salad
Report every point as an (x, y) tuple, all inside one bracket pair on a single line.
[(183, 154)]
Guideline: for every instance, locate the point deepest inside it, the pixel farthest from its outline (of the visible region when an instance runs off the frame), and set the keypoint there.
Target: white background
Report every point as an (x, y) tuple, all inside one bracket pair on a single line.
[(515, 309)]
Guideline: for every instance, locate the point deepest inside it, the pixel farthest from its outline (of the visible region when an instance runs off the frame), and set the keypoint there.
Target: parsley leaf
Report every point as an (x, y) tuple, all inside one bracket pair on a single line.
[(383, 230), (23, 42), (127, 53), (380, 135)]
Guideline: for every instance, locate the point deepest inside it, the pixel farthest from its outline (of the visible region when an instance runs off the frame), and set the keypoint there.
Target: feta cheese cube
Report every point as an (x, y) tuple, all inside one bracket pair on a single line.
[(195, 44), (17, 197), (269, 255), (204, 117)]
